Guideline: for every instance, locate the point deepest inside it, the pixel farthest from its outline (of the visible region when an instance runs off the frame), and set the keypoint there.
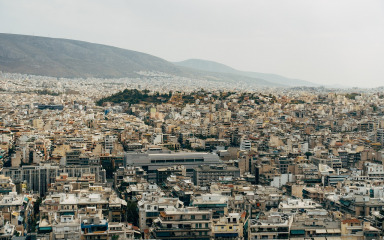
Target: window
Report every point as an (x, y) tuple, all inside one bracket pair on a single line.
[(192, 216)]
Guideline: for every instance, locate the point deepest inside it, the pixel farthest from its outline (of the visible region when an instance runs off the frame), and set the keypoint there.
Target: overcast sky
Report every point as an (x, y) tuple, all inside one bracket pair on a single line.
[(323, 41)]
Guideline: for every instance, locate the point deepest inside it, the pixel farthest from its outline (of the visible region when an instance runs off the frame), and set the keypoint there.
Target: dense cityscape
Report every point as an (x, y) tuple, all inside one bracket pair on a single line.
[(167, 157), (191, 120)]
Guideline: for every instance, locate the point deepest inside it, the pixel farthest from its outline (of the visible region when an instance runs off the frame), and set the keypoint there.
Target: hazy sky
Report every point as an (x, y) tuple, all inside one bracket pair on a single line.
[(324, 41)]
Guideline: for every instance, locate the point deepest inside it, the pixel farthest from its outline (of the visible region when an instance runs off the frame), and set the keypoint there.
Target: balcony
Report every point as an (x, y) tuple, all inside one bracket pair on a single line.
[(182, 229), (172, 235)]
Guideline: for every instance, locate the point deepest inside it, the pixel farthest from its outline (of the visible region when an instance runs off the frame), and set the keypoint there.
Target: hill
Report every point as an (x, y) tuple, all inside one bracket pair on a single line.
[(70, 58), (77, 59), (133, 96), (211, 66)]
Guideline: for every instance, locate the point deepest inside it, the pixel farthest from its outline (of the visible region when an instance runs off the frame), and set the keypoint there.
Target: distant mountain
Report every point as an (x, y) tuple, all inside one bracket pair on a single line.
[(211, 66), (70, 58), (77, 59)]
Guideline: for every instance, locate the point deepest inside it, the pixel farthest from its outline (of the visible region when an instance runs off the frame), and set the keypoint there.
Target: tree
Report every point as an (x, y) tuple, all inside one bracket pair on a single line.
[(131, 213), (308, 154)]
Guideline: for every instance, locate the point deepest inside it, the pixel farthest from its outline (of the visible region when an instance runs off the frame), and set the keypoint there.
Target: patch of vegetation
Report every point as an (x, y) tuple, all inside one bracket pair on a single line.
[(132, 213), (297, 101), (188, 99), (352, 96), (204, 137), (374, 107), (134, 96)]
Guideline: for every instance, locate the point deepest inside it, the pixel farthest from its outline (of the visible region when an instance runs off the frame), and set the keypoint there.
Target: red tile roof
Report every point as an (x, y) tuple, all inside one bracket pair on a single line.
[(352, 220)]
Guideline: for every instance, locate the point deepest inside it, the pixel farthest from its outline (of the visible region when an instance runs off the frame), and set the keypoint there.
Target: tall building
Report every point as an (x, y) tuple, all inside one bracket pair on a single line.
[(380, 135), (245, 145), (108, 142), (38, 178)]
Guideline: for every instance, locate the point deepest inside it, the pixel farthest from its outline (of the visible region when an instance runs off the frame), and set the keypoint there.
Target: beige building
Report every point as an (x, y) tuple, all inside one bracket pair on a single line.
[(354, 229)]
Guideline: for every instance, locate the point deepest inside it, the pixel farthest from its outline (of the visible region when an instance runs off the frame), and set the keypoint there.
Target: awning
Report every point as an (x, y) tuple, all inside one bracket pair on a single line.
[(45, 228), (67, 213), (224, 235), (321, 231), (298, 232), (346, 203)]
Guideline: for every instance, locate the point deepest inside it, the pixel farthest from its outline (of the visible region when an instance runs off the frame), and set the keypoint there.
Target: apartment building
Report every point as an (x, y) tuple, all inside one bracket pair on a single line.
[(185, 223), (205, 175)]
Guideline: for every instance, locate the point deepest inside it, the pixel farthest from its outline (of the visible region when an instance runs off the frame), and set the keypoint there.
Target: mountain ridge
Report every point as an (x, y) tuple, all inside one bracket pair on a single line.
[(212, 66), (59, 57)]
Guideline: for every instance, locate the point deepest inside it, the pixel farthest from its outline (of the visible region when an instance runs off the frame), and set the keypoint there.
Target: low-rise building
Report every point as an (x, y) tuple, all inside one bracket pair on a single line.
[(271, 226)]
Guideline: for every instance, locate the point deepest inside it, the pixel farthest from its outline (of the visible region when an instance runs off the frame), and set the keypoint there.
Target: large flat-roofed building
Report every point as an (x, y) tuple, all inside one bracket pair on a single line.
[(150, 162)]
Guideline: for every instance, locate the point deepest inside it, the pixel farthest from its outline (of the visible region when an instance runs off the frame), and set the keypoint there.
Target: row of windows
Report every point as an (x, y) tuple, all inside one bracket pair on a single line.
[(178, 160), (217, 173), (197, 225), (189, 170)]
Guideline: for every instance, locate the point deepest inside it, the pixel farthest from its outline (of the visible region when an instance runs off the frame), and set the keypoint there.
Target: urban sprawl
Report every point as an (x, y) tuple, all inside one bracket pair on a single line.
[(165, 157)]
